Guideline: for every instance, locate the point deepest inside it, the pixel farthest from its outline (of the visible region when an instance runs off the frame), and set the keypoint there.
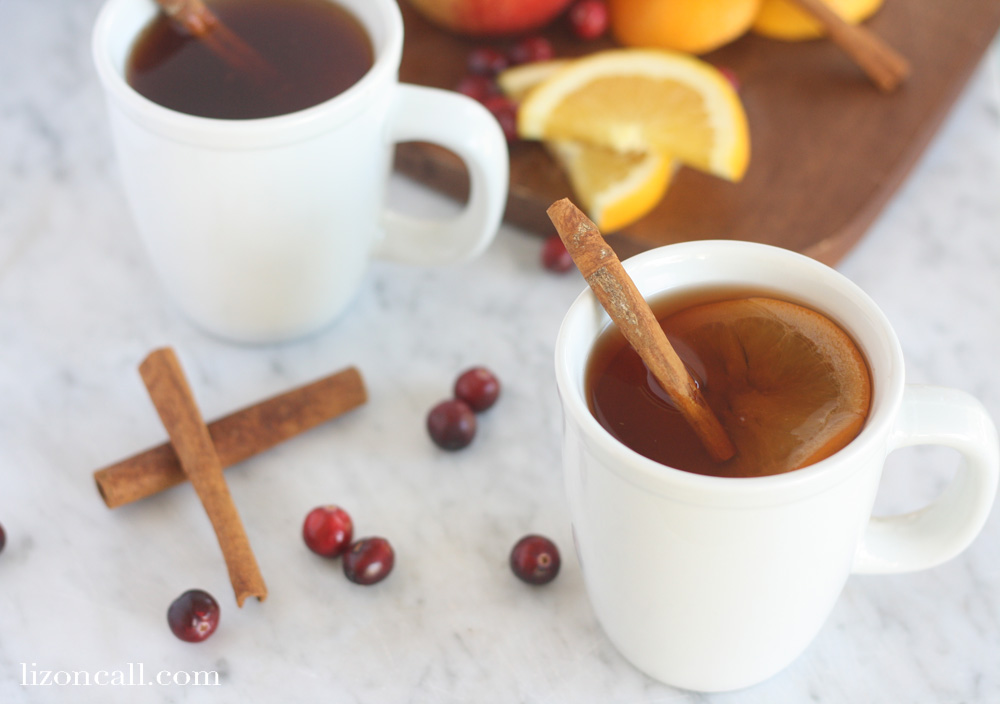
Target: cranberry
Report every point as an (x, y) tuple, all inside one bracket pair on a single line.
[(589, 19), (505, 111), (478, 387), (531, 49), (369, 560), (3, 538), (451, 424), (477, 87), (193, 616), (535, 559), (327, 530), (486, 61), (555, 257)]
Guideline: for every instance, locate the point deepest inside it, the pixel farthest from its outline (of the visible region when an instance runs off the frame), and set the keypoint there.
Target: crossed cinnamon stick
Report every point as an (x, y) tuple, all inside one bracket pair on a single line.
[(237, 436), (168, 388), (199, 453)]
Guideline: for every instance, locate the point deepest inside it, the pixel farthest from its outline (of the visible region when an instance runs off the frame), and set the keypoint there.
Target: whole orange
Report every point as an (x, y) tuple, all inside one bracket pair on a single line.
[(695, 26)]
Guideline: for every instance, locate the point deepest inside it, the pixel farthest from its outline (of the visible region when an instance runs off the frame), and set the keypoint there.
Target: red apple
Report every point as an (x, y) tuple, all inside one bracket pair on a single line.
[(490, 17)]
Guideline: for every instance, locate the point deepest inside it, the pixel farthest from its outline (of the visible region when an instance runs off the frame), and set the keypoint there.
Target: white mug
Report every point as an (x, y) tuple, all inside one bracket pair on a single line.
[(262, 229), (714, 584)]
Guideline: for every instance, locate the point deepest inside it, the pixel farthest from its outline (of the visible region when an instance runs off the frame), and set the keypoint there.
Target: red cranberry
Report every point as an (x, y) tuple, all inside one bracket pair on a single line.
[(327, 530), (486, 61), (193, 616), (505, 111), (451, 424), (555, 257), (589, 19), (531, 49), (369, 560), (477, 87), (535, 559), (478, 387), (3, 538)]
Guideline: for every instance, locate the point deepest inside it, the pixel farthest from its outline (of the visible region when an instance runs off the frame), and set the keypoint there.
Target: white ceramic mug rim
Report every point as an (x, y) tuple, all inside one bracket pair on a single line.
[(781, 488), (249, 132)]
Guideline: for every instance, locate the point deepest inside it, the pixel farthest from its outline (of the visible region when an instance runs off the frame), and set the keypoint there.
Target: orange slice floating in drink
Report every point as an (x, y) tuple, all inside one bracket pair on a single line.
[(788, 384)]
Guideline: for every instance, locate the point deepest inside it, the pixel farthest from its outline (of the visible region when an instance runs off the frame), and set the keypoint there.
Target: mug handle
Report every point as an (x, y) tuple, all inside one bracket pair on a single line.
[(467, 128), (932, 415)]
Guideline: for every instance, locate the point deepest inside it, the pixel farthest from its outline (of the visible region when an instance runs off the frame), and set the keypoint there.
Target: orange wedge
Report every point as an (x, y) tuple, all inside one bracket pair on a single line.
[(615, 189), (517, 81), (643, 101)]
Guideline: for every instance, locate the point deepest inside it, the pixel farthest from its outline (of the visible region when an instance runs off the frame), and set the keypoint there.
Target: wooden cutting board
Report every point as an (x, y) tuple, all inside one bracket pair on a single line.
[(828, 149)]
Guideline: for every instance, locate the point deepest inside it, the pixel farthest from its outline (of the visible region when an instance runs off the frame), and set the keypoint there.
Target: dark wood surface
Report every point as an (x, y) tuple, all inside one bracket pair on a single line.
[(828, 149)]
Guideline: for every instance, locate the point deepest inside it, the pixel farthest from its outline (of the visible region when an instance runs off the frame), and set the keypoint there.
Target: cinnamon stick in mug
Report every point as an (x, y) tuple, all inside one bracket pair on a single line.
[(237, 436), (621, 299)]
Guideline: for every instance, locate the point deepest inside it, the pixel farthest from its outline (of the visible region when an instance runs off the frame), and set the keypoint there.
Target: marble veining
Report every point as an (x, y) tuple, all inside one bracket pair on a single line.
[(83, 588)]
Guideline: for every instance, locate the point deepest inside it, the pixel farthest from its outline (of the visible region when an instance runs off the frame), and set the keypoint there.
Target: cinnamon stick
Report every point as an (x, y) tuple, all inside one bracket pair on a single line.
[(169, 391), (204, 25), (618, 294), (237, 436), (885, 66)]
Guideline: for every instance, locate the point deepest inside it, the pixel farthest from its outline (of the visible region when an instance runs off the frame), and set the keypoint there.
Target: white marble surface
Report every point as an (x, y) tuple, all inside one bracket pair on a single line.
[(83, 588)]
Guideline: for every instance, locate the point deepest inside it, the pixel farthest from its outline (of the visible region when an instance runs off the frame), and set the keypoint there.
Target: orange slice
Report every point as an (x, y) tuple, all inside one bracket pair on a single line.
[(788, 384), (517, 81), (614, 189)]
